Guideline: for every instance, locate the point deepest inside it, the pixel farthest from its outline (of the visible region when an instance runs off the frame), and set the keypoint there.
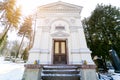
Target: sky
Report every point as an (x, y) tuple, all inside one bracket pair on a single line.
[(28, 6)]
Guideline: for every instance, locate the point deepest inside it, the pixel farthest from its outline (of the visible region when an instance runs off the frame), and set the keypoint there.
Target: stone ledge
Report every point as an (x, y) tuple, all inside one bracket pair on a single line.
[(88, 66), (33, 66), (38, 66)]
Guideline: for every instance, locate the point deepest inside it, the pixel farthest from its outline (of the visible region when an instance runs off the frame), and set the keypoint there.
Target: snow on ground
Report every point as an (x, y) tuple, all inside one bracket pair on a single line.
[(14, 71), (10, 71), (109, 76), (112, 77), (116, 76)]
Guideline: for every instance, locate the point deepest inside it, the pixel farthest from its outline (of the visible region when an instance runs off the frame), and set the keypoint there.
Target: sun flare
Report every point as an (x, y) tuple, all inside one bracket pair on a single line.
[(27, 6)]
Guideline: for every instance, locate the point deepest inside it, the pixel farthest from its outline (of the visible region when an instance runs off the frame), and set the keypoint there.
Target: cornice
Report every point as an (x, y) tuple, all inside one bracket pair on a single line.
[(59, 10)]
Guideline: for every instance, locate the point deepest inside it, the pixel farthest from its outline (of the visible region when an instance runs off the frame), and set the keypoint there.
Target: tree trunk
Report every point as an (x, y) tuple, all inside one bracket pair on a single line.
[(30, 42), (3, 36), (105, 65), (33, 36), (20, 46), (2, 15)]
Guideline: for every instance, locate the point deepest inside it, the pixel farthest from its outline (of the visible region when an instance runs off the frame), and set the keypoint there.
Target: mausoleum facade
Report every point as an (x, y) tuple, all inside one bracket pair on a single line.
[(59, 36)]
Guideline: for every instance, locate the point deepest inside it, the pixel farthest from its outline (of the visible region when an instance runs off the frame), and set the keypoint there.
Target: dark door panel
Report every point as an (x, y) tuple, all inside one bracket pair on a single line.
[(60, 52)]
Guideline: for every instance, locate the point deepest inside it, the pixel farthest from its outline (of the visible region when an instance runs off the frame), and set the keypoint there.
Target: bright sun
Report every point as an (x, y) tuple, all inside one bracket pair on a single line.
[(27, 6)]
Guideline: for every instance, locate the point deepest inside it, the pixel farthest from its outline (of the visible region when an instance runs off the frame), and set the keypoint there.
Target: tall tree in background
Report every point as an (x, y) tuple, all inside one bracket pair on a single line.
[(100, 30), (10, 16), (15, 47), (25, 31)]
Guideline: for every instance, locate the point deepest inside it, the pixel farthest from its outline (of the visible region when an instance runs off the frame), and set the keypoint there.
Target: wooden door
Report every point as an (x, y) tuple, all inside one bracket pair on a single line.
[(60, 54)]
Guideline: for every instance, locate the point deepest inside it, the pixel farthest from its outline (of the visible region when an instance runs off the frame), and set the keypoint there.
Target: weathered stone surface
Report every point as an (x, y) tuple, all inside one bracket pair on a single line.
[(57, 72), (32, 74), (63, 72), (88, 74)]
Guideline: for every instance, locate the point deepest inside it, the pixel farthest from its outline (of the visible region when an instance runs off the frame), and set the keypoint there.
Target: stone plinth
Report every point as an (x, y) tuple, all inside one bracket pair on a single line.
[(88, 72), (32, 72)]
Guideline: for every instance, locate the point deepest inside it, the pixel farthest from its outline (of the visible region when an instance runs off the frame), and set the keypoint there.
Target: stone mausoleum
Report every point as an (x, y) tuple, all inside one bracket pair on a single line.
[(59, 43)]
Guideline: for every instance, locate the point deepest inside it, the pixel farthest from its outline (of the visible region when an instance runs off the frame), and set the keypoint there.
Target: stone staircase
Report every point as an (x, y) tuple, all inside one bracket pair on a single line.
[(60, 72)]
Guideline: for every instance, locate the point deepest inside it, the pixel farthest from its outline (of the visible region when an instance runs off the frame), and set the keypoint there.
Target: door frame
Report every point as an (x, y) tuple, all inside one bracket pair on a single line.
[(66, 41)]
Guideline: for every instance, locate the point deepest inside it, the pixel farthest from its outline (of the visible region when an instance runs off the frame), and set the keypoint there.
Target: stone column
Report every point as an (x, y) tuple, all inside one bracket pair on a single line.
[(32, 72)]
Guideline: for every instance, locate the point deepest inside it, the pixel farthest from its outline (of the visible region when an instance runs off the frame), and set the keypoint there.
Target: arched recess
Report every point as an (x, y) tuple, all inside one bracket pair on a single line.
[(59, 33)]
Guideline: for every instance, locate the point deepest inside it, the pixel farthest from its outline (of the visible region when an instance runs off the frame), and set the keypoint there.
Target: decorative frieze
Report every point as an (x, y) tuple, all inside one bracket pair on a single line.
[(67, 15)]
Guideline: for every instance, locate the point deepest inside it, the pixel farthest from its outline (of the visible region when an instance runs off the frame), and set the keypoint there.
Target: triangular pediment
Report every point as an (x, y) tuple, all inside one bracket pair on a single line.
[(60, 6)]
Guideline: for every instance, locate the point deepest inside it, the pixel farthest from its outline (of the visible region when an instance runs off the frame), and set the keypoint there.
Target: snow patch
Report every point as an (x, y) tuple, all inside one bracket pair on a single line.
[(10, 71)]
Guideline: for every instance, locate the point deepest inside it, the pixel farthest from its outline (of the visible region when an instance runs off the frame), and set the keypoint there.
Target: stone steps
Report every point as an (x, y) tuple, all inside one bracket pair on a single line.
[(60, 73), (60, 67), (61, 78)]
